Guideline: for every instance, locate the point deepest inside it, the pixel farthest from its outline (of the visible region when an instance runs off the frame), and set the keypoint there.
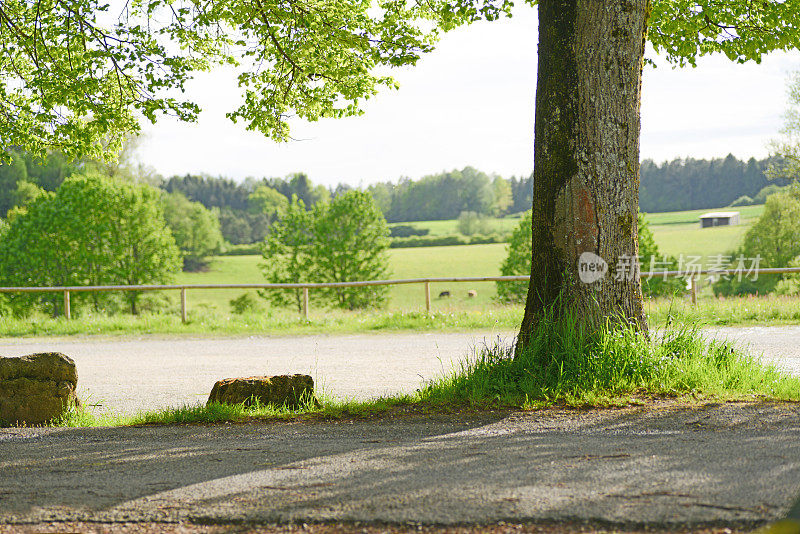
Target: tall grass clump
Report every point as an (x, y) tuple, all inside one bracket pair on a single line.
[(567, 362)]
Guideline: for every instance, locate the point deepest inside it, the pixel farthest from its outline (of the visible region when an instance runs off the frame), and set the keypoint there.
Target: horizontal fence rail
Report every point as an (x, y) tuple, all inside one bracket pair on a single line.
[(691, 275)]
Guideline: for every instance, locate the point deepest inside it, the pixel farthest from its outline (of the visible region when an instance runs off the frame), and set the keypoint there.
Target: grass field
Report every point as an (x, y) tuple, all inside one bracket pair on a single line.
[(679, 232), (210, 310), (428, 262), (675, 233)]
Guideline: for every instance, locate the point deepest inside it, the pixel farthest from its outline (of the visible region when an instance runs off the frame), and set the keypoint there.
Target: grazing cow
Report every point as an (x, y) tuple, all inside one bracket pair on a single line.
[(472, 293), (444, 294)]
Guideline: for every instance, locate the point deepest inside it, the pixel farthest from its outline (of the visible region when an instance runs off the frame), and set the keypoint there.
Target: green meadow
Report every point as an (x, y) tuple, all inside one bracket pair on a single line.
[(679, 232), (675, 233), (427, 262)]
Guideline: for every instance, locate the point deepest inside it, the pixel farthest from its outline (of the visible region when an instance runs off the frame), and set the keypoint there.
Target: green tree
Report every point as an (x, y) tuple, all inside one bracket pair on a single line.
[(350, 244), (196, 230), (344, 240), (142, 249), (788, 147), (774, 238), (93, 231), (25, 194), (74, 75), (287, 256), (471, 223), (11, 173), (268, 201), (502, 196), (517, 261)]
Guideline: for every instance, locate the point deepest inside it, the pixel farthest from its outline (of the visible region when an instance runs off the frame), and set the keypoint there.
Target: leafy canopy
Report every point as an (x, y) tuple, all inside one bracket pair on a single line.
[(75, 75), (195, 228), (788, 147), (344, 240), (92, 231)]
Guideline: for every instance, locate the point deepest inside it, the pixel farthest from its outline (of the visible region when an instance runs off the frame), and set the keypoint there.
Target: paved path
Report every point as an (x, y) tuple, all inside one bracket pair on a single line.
[(666, 464), (147, 373)]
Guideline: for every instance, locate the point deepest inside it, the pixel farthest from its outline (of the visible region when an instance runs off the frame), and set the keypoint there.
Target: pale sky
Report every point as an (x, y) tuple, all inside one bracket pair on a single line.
[(471, 102)]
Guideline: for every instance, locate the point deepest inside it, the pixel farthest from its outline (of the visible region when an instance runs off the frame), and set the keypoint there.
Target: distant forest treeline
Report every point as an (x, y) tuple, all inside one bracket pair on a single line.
[(693, 184), (437, 197), (681, 184)]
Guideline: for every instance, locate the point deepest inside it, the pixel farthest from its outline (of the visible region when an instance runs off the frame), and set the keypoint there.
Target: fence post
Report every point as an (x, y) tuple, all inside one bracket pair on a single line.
[(184, 314), (305, 303), (428, 297), (693, 281), (67, 310)]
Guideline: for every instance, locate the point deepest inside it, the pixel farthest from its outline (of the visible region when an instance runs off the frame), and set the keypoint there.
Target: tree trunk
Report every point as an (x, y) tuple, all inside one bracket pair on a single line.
[(586, 172)]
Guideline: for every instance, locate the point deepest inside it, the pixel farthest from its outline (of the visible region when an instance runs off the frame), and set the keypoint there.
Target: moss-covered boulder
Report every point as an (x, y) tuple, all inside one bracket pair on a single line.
[(288, 390), (37, 388)]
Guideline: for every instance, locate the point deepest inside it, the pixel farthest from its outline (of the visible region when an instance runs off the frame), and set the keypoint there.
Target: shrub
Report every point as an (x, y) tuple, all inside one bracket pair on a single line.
[(241, 250), (244, 303), (517, 262), (405, 230), (471, 223), (766, 191), (446, 240), (743, 200)]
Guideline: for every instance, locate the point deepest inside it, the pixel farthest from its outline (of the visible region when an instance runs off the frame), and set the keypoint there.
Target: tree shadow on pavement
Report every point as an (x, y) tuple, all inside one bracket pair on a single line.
[(734, 463)]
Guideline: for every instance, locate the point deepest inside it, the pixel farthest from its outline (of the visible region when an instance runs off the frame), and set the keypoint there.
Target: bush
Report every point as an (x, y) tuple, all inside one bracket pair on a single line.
[(241, 250), (471, 223), (790, 283), (761, 196), (405, 230), (243, 304), (517, 262), (445, 240), (743, 200)]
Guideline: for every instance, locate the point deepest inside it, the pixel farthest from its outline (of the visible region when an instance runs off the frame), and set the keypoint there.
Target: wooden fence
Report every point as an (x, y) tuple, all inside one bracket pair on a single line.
[(306, 287)]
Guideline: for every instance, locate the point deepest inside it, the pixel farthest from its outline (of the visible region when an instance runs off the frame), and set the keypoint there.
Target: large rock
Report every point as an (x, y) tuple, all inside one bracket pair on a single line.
[(37, 388), (289, 390)]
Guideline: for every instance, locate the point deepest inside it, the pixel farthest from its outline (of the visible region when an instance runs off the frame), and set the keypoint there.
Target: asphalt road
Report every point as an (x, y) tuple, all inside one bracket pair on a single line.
[(130, 374), (662, 465), (125, 375)]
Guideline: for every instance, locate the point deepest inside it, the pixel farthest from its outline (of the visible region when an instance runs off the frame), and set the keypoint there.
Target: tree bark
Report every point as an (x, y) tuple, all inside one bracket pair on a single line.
[(586, 171)]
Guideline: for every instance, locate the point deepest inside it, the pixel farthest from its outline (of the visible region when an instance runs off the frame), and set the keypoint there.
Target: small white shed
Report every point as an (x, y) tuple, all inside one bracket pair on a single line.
[(719, 218)]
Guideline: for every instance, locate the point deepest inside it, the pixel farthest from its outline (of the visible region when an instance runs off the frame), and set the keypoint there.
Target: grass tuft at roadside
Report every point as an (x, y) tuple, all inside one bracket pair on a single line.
[(565, 363)]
